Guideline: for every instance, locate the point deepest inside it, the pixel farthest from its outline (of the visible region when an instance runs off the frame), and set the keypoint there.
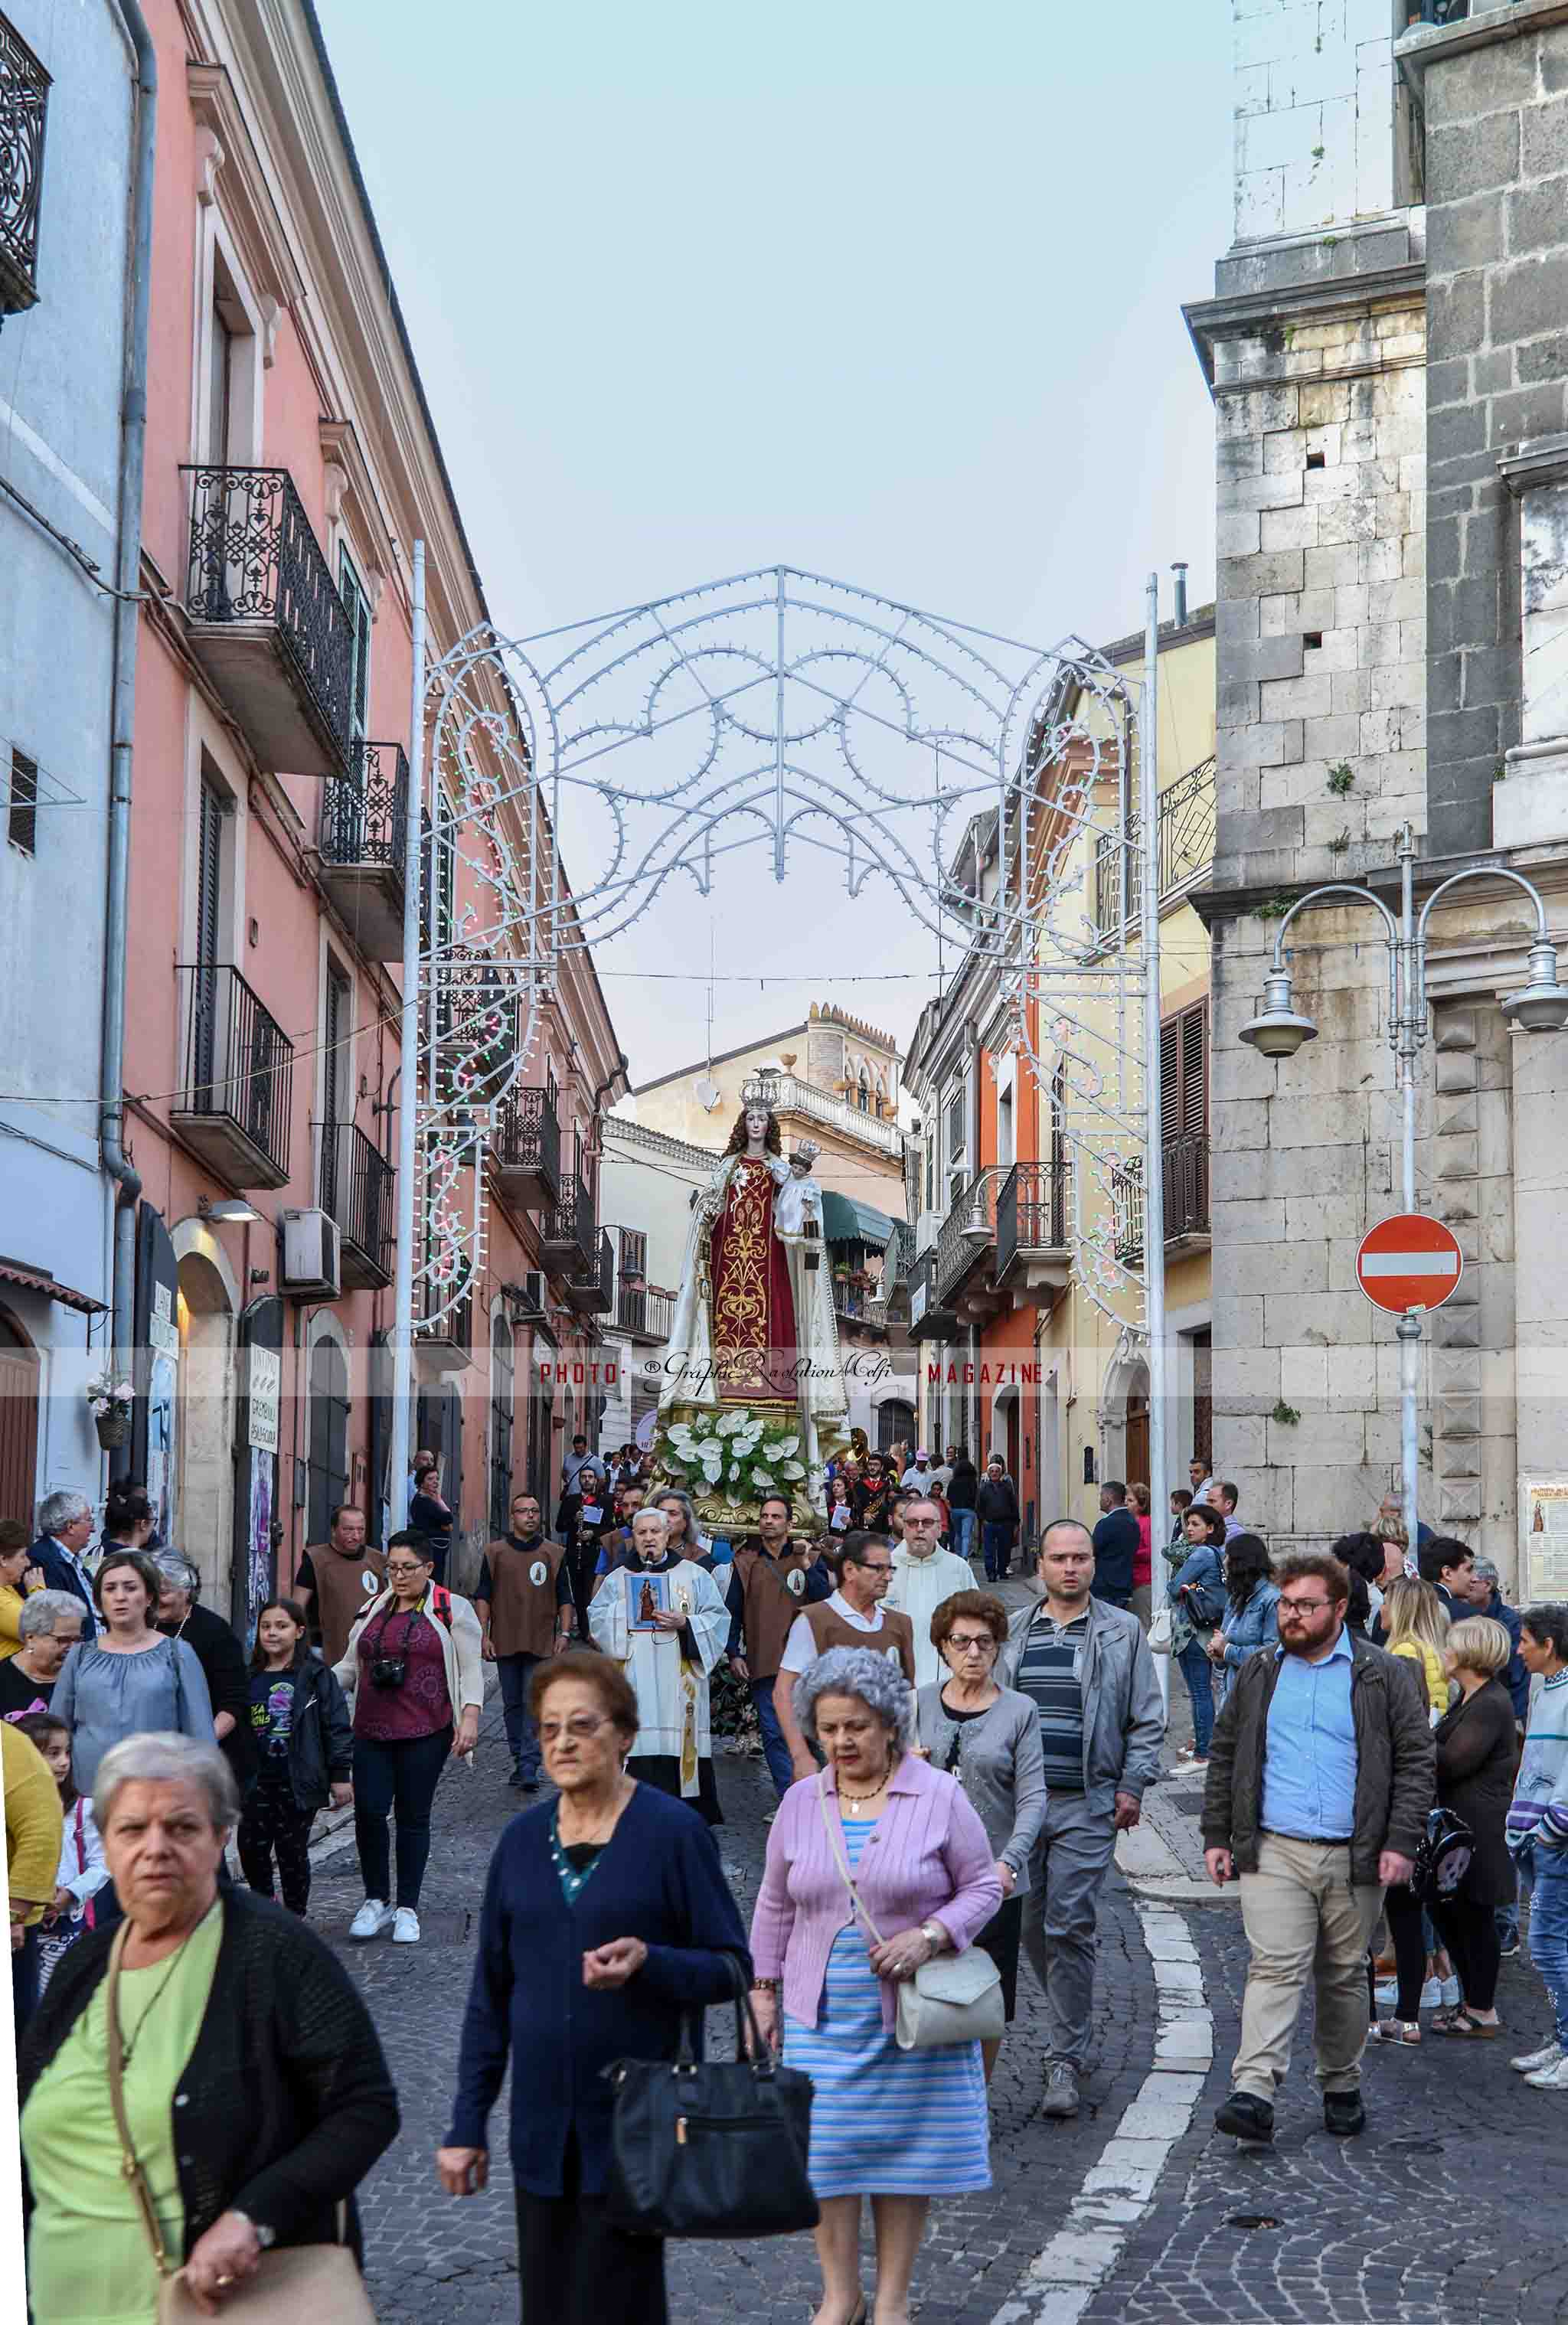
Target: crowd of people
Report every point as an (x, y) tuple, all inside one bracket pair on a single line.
[(1381, 1741)]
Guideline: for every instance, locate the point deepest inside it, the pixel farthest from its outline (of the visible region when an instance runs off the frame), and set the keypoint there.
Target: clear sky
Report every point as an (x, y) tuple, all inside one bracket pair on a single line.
[(884, 289)]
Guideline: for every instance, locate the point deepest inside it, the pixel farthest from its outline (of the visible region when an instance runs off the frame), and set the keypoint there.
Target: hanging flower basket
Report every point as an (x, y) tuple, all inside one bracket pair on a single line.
[(109, 1402)]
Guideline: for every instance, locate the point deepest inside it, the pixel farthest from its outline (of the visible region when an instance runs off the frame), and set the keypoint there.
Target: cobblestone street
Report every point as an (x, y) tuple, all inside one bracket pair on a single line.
[(1318, 2232)]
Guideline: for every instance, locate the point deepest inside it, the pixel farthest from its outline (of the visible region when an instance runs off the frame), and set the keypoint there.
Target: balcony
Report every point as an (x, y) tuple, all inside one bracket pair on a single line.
[(1033, 1259), (1435, 12), (966, 1251), (452, 1335), (525, 1149), (927, 1319), (592, 1293), (355, 1182), (1185, 1176), (24, 102), (237, 1069), (646, 1315), (363, 831), (566, 1231), (1186, 849), (786, 1094), (266, 622)]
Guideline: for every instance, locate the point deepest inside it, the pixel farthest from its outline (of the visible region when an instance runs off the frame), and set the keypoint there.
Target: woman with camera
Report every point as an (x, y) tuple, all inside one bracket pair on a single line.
[(414, 1669)]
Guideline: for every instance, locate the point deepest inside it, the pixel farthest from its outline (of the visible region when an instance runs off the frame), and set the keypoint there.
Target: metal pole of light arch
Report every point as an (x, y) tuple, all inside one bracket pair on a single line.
[(408, 1078), (1154, 1129)]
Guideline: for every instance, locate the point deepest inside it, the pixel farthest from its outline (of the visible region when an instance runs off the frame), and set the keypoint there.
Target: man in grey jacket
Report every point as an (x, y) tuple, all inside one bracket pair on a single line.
[(1087, 1668)]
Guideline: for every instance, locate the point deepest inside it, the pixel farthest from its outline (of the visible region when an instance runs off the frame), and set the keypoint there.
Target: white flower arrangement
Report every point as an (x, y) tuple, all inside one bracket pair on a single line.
[(742, 1451), (106, 1395)]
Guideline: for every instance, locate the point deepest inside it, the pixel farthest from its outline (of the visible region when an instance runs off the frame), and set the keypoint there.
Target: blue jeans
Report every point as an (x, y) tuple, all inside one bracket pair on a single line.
[(963, 1531), (997, 1546), (1549, 1932), (515, 1672), (775, 1750), (1198, 1673)]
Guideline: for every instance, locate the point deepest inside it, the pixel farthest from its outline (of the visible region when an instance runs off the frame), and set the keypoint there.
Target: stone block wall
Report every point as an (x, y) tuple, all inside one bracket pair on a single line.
[(1320, 613), (1497, 193), (1314, 101)]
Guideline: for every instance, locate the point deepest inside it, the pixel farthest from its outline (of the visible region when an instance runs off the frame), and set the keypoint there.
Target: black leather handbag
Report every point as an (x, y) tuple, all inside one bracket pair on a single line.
[(701, 2147)]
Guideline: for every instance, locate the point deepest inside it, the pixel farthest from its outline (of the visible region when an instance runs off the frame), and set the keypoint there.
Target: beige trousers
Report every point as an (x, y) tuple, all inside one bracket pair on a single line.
[(1304, 1919)]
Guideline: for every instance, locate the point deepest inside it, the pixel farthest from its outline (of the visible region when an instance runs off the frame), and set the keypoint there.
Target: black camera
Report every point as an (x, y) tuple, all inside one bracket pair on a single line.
[(389, 1671)]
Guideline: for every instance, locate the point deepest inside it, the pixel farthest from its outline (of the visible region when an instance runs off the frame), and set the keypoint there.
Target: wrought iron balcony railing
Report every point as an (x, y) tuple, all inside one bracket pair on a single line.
[(526, 1142), (365, 817), (1186, 847), (647, 1315), (356, 1183), (968, 1232), (238, 1076), (593, 1293), (23, 103), (1185, 1176), (255, 559), (567, 1228), (1031, 1211), (929, 1317), (453, 1330)]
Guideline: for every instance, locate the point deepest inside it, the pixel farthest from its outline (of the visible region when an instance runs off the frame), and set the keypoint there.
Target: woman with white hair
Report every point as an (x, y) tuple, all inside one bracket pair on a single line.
[(216, 1650), (252, 2086), (896, 2125), (664, 1620)]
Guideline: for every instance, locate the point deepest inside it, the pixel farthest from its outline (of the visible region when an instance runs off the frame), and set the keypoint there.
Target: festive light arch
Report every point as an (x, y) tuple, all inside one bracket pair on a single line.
[(773, 713)]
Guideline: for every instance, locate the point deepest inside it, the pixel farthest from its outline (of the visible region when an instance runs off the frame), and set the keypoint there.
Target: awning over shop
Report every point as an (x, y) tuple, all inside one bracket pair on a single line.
[(844, 1220), (39, 1278)]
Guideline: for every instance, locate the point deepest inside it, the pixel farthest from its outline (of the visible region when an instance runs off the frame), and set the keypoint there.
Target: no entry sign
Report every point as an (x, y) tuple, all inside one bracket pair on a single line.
[(1408, 1261)]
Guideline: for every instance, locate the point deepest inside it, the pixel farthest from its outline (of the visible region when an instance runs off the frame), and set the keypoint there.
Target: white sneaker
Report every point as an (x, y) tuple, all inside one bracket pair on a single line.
[(1551, 2079), (1531, 2061), (1387, 1993), (1431, 1993), (1450, 1986), (405, 1927), (371, 1918)]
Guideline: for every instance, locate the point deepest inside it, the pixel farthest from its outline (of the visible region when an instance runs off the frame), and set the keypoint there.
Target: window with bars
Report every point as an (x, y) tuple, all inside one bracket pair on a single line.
[(22, 811)]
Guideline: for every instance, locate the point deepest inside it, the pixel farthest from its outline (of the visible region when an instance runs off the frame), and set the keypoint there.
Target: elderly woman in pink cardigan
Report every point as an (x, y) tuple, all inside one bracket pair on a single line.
[(896, 2125)]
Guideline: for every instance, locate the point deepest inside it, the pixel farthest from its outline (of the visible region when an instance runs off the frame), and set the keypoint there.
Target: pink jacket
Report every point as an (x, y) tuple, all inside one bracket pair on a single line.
[(927, 1858)]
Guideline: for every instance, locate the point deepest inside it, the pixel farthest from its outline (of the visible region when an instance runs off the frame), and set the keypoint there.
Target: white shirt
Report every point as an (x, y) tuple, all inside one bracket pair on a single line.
[(920, 1480), (942, 1476), (801, 1646), (917, 1590)]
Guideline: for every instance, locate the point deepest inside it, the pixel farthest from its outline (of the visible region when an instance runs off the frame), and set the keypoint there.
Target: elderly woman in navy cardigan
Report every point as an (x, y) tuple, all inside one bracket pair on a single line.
[(605, 1918)]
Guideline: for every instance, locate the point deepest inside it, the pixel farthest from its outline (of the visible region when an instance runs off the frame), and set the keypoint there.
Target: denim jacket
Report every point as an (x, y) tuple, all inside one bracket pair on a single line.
[(1247, 1628)]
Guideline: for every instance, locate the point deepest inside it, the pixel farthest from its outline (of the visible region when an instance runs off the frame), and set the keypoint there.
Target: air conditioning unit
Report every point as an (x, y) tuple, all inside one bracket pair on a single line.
[(526, 1299), (311, 1261), (927, 1227)]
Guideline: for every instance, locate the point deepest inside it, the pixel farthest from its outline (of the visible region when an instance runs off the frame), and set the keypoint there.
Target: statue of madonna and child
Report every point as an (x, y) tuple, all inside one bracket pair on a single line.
[(753, 1398)]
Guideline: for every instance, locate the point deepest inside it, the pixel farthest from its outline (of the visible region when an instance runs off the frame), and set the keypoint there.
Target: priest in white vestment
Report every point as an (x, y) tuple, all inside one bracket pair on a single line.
[(664, 1620), (923, 1575)]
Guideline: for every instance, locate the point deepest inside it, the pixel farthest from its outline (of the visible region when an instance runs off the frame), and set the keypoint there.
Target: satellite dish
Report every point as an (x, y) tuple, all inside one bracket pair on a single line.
[(708, 1093)]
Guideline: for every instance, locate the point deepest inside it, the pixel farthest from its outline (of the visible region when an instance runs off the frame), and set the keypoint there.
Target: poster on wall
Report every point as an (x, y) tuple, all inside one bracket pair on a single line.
[(1543, 1538), (254, 1551), (260, 1566), (163, 1389), (266, 1374)]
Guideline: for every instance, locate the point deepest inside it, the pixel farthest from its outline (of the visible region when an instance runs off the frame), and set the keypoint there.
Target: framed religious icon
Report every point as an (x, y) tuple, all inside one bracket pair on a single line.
[(648, 1595)]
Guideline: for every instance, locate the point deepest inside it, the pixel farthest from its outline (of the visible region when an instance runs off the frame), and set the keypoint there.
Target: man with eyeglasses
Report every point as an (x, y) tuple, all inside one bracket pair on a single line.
[(852, 1616), (1320, 1775), (1086, 1666)]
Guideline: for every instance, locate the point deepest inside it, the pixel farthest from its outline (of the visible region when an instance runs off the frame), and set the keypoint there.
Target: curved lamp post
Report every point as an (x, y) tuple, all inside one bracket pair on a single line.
[(1278, 1031)]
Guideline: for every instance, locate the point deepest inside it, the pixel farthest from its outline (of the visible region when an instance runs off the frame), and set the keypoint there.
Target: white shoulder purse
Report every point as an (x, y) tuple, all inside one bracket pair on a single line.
[(953, 1998)]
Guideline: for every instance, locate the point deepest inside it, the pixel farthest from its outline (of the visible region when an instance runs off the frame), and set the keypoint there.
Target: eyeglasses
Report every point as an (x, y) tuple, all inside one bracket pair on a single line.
[(580, 1728), (982, 1646), (1306, 1605), (403, 1574), (869, 1568)]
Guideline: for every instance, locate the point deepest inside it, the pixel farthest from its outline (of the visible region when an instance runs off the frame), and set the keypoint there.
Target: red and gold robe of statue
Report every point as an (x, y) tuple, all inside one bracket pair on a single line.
[(754, 1308)]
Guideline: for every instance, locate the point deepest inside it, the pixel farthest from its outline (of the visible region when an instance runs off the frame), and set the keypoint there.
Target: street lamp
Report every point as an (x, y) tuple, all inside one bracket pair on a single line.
[(1278, 1031)]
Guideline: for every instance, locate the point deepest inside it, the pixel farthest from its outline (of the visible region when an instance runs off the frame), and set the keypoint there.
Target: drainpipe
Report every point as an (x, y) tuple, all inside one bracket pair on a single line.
[(127, 621)]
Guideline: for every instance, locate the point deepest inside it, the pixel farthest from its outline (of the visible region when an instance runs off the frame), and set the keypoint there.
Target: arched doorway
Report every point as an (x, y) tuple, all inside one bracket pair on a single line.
[(894, 1424), (202, 1516), (18, 1420), (328, 1455)]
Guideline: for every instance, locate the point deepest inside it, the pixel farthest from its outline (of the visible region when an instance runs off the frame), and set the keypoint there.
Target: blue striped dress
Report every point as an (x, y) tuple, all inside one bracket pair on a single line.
[(885, 2122)]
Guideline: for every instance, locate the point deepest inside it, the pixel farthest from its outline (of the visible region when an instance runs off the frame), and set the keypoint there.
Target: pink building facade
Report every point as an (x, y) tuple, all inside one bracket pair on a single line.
[(291, 464)]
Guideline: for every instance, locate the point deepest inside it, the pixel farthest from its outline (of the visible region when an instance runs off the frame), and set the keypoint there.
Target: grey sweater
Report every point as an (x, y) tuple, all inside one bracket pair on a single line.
[(999, 1766)]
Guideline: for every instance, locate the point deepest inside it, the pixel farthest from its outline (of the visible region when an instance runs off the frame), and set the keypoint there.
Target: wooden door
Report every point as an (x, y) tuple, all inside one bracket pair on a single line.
[(18, 1423)]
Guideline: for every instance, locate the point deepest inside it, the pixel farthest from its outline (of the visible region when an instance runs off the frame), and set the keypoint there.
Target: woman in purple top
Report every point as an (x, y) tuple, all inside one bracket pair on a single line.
[(897, 2125)]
